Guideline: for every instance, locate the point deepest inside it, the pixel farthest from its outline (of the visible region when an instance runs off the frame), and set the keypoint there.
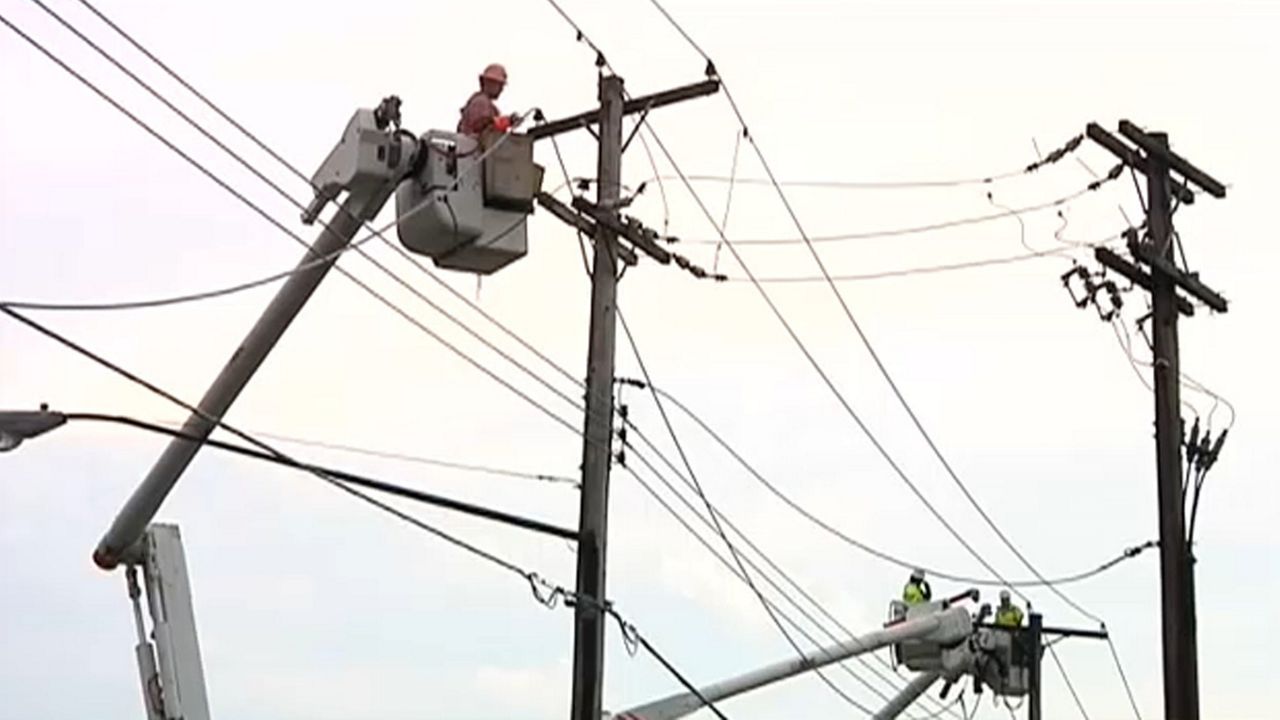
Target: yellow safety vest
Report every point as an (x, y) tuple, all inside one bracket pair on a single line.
[(912, 594), (1009, 616)]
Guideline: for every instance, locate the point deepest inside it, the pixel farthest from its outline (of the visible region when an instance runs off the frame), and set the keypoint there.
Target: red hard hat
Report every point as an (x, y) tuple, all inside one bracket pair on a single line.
[(494, 72)]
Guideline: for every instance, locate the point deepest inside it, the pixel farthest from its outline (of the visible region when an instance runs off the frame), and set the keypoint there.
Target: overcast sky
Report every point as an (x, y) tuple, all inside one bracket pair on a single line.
[(312, 606)]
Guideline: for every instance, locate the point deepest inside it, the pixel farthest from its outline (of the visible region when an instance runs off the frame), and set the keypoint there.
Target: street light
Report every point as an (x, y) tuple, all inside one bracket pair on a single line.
[(19, 425)]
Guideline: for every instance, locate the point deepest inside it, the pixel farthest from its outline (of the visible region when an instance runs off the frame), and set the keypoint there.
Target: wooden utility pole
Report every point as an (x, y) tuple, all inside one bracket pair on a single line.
[(1175, 588), (589, 618), (602, 221), (1156, 160)]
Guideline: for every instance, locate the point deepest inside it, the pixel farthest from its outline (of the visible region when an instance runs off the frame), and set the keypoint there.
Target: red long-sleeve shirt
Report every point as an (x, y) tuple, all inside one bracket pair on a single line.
[(477, 115)]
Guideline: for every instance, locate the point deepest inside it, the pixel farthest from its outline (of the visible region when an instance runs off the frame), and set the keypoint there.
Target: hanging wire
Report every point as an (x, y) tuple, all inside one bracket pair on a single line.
[(728, 201), (927, 269), (719, 529), (907, 230), (1123, 678)]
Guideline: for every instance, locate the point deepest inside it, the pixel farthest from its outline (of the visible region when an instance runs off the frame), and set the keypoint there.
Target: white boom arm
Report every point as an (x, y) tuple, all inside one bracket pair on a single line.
[(171, 672), (945, 627), (367, 163), (918, 686)]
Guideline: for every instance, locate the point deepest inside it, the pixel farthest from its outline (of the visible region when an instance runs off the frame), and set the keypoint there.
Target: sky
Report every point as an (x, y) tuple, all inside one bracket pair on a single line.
[(310, 605)]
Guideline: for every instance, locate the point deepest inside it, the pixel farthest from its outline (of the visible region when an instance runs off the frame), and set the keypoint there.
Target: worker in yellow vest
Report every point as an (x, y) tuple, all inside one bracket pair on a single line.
[(917, 589), (1008, 615)]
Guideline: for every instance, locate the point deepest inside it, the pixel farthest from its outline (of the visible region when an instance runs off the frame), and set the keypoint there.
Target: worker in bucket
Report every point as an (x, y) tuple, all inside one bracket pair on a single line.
[(1008, 615), (480, 113), (917, 589)]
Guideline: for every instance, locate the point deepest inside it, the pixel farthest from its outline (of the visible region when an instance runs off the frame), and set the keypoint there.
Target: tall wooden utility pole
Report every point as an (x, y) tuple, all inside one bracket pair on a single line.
[(602, 221), (1156, 160), (589, 620)]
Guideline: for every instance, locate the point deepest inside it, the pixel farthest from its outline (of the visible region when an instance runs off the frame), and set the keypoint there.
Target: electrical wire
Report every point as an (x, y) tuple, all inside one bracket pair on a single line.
[(884, 371), (1070, 686), (1022, 224), (928, 269), (875, 356), (1124, 678), (409, 458), (172, 147), (536, 582), (662, 186), (715, 520), (728, 200), (292, 168), (343, 475), (361, 284), (581, 36), (600, 55), (156, 390), (728, 522), (856, 184), (818, 522), (188, 297), (737, 573), (908, 230), (629, 630)]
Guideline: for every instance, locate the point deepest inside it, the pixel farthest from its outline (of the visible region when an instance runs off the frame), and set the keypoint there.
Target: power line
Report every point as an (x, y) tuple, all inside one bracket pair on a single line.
[(433, 333), (536, 582), (1127, 554), (156, 390), (928, 269), (746, 577), (715, 520), (854, 184), (911, 229), (1123, 678), (1115, 172), (822, 267), (252, 169), (409, 458), (343, 475), (241, 127), (731, 525), (276, 223), (738, 573)]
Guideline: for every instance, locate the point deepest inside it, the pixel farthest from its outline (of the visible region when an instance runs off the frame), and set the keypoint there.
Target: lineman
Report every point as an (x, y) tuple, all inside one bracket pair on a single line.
[(480, 113), (1008, 615), (917, 589)]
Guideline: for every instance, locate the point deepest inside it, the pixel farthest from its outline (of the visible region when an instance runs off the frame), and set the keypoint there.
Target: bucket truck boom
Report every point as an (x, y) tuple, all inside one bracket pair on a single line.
[(948, 629)]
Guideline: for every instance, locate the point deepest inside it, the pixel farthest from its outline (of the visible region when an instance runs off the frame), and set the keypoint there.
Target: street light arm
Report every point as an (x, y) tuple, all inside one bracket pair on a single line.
[(19, 425)]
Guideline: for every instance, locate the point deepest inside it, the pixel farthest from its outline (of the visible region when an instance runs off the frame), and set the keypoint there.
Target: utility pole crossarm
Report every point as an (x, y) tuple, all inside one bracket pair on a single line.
[(639, 235), (1175, 161), (1136, 275), (630, 107), (585, 226), (1127, 155), (1187, 281)]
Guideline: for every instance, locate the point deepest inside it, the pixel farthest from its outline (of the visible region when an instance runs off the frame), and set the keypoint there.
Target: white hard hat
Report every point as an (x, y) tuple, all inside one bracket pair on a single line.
[(1004, 596), (917, 574)]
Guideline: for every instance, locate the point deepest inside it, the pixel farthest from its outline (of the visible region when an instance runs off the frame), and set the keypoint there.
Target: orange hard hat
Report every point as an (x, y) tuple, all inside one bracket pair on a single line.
[(494, 72)]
